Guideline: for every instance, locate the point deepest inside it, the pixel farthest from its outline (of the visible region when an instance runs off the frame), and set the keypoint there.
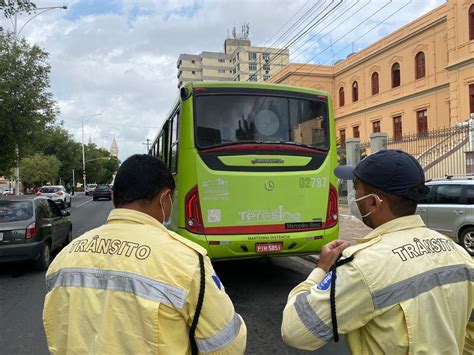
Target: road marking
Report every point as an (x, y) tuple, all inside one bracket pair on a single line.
[(82, 204)]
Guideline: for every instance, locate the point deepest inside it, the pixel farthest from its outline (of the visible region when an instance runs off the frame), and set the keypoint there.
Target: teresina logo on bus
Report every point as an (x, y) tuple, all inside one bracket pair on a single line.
[(264, 215)]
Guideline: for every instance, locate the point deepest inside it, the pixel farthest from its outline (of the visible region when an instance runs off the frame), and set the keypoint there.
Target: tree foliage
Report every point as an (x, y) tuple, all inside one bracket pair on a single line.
[(10, 7), (39, 169), (26, 108)]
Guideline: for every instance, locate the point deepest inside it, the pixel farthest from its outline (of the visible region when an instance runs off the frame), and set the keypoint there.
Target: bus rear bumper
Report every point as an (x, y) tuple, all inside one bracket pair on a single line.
[(228, 247)]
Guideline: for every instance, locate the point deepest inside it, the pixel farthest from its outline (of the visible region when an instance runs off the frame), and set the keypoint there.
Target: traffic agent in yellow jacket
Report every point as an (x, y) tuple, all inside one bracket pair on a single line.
[(408, 290), (131, 287)]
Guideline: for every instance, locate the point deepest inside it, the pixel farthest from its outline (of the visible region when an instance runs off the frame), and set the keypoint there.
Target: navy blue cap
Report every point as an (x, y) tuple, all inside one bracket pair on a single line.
[(392, 171)]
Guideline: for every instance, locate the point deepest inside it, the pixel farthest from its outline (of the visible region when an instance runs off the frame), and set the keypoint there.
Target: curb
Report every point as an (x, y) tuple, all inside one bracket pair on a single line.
[(311, 258)]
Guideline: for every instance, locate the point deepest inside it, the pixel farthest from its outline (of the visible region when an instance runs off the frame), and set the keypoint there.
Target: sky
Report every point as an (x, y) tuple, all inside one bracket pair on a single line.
[(117, 58)]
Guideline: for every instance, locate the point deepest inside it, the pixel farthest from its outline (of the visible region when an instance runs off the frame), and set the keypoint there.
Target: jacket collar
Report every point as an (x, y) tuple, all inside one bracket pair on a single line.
[(394, 225), (125, 214)]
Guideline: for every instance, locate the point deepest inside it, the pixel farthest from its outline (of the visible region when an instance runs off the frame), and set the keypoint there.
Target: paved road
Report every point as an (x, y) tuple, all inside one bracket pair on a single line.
[(258, 288)]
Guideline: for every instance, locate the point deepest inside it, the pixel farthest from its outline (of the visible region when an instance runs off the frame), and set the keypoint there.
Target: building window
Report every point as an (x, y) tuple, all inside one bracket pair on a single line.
[(341, 97), (375, 83), (471, 97), (253, 77), (221, 71), (221, 60), (193, 61), (395, 75), (355, 91), (397, 128), (422, 122), (252, 56), (420, 65), (193, 72), (252, 66), (266, 56), (355, 132), (233, 60), (376, 127), (342, 137), (266, 77), (471, 22), (266, 67)]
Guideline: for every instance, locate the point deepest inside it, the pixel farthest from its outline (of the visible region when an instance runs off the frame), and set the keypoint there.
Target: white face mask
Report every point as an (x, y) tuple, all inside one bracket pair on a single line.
[(355, 208), (166, 220)]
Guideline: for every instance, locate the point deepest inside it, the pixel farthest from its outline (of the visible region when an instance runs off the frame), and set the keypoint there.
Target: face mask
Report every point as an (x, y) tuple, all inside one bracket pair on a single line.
[(355, 208), (166, 221)]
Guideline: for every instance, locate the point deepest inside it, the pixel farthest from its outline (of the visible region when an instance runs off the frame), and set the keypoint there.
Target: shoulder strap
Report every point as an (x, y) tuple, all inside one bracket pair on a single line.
[(194, 349), (332, 296)]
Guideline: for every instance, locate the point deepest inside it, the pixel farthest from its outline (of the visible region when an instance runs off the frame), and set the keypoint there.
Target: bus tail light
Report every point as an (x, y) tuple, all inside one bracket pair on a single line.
[(31, 231), (193, 217), (332, 213)]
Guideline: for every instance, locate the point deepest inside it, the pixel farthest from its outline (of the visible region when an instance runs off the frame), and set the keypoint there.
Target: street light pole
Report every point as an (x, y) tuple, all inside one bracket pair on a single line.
[(83, 150)]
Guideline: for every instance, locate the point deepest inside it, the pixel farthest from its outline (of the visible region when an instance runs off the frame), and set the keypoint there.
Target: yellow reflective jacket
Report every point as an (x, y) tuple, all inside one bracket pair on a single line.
[(408, 290), (131, 287)]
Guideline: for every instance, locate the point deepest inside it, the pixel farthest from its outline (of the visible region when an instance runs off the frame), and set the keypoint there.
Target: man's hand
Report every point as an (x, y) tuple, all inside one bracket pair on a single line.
[(330, 252)]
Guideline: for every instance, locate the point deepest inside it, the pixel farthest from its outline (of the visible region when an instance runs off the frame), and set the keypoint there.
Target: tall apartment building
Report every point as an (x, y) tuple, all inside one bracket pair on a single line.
[(240, 61), (417, 79)]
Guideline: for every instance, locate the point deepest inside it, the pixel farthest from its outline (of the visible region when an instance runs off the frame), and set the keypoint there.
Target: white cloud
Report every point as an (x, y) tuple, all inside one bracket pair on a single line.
[(121, 60)]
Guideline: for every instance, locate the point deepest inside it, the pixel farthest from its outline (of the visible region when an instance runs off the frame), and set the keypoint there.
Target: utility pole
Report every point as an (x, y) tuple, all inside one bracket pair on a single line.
[(73, 182), (147, 143)]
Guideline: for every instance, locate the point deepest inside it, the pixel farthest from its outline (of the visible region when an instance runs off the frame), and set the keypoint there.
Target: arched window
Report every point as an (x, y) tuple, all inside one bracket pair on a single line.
[(395, 75), (471, 22), (355, 91), (341, 97), (420, 65), (375, 83)]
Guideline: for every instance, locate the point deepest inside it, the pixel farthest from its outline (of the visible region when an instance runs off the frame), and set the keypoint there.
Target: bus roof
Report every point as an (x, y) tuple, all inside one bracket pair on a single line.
[(252, 85)]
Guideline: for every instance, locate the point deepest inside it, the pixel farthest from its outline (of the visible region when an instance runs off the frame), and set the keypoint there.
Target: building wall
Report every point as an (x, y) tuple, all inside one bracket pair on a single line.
[(442, 35), (240, 61)]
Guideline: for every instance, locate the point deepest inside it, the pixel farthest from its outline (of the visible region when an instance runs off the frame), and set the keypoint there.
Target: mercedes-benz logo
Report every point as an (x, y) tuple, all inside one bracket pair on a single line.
[(269, 185)]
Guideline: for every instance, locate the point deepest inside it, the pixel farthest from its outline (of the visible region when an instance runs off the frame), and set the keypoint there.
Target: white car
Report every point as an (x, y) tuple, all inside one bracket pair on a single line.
[(90, 188), (56, 193)]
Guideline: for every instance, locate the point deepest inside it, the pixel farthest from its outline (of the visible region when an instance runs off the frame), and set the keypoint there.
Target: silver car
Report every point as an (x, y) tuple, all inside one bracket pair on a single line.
[(449, 209)]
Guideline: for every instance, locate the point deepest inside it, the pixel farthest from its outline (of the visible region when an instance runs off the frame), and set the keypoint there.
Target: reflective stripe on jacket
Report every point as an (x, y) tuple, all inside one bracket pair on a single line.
[(131, 286), (409, 290)]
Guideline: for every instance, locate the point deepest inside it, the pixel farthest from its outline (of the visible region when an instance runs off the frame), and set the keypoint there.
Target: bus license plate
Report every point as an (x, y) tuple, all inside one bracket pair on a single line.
[(268, 247)]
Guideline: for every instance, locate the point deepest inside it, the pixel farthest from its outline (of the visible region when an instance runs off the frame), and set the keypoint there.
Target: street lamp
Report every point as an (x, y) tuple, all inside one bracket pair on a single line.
[(83, 151), (16, 34)]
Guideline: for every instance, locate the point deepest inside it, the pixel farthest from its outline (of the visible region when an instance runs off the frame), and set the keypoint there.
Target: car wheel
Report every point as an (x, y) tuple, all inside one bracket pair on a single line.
[(43, 262), (467, 240)]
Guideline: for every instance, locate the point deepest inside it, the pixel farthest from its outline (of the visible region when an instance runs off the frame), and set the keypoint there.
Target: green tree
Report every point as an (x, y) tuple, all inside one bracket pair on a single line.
[(39, 169), (26, 108), (100, 165), (10, 7)]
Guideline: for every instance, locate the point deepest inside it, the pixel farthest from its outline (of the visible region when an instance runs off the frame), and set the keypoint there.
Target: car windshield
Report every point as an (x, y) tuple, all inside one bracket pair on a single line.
[(234, 119), (91, 185), (102, 187), (14, 211), (50, 190)]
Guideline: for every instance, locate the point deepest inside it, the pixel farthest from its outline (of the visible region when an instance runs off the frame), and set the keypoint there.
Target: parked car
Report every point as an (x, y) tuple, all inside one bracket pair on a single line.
[(7, 192), (31, 227), (56, 193), (449, 209), (102, 191), (90, 188)]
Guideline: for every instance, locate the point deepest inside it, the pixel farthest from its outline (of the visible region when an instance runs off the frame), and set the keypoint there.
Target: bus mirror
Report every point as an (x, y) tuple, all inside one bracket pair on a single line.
[(185, 93)]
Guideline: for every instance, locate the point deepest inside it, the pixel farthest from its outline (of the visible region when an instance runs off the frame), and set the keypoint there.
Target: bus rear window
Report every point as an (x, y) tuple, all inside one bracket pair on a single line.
[(228, 119)]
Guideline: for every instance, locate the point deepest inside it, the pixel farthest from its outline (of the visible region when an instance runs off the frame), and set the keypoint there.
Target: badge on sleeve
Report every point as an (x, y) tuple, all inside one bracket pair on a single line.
[(217, 281), (325, 282)]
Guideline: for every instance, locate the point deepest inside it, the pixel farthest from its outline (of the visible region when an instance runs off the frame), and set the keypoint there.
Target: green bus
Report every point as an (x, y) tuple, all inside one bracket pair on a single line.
[(253, 165)]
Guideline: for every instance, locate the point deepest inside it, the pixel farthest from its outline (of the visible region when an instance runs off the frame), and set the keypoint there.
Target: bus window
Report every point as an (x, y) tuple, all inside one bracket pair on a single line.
[(173, 163), (160, 147), (227, 119)]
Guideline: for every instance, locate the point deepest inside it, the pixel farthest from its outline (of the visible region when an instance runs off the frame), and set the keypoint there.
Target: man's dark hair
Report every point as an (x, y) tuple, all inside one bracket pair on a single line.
[(140, 178), (399, 205)]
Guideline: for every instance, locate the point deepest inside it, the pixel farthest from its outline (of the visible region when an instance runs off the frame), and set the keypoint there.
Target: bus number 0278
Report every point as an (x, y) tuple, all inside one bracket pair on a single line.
[(313, 182)]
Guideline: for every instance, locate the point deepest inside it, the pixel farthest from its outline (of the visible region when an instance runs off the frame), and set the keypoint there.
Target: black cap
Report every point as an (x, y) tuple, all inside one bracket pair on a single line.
[(392, 171)]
